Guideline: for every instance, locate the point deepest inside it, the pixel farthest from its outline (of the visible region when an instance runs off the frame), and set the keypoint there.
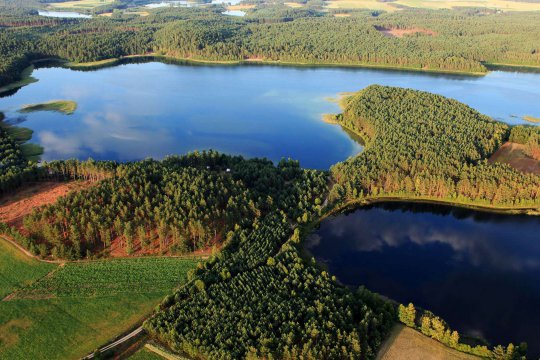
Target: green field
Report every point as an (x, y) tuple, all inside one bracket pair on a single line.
[(63, 106), (78, 306), (16, 269), (80, 4), (145, 354), (506, 5)]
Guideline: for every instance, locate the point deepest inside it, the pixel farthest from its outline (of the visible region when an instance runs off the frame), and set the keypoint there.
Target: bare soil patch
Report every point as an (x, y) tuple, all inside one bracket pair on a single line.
[(513, 155), (399, 33), (14, 207), (405, 343)]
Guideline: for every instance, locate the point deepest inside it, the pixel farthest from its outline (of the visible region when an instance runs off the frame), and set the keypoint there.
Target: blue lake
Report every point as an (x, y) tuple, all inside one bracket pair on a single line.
[(135, 111), (479, 271)]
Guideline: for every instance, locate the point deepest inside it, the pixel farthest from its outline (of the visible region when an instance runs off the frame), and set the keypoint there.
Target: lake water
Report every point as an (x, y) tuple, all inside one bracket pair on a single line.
[(135, 111), (63, 14), (188, 3), (478, 271)]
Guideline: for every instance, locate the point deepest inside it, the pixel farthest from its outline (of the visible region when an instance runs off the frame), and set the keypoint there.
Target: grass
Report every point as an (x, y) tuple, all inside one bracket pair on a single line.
[(17, 270), (151, 275), (145, 354), (505, 5), (531, 119), (67, 107), (406, 343), (80, 4), (26, 78), (78, 306)]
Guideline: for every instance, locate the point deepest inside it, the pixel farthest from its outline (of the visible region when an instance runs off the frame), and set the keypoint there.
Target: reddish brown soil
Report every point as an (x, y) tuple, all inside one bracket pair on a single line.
[(14, 207), (394, 32), (118, 249), (513, 155)]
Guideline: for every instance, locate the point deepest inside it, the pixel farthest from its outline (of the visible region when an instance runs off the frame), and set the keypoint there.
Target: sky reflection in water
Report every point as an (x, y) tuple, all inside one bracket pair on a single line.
[(480, 272)]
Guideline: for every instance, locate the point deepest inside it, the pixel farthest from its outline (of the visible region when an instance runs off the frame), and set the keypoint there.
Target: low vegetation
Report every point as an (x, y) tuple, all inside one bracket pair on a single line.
[(66, 107), (79, 306), (18, 270)]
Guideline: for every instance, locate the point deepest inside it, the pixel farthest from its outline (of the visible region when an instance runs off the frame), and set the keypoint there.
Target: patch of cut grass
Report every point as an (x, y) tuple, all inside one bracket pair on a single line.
[(67, 107), (145, 354)]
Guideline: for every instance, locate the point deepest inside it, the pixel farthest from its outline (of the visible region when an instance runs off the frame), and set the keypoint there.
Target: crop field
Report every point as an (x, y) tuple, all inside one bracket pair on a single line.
[(110, 277), (16, 269), (80, 4), (505, 5), (68, 310)]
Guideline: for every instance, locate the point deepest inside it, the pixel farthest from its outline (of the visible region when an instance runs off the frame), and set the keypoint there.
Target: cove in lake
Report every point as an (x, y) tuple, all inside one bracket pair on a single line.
[(135, 111), (478, 271)]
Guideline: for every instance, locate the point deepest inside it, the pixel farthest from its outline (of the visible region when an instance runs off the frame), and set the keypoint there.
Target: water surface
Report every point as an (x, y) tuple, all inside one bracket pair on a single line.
[(63, 14), (135, 111), (478, 271)]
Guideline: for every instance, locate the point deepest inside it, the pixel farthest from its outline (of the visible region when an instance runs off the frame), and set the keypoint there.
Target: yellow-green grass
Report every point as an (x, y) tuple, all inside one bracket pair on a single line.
[(505, 5), (18, 270), (26, 79), (294, 4), (79, 306), (407, 344), (67, 107), (80, 4), (145, 354), (531, 119)]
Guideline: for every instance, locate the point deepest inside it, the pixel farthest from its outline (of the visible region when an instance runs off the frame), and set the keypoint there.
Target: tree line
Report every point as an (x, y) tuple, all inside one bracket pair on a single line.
[(453, 40), (422, 145)]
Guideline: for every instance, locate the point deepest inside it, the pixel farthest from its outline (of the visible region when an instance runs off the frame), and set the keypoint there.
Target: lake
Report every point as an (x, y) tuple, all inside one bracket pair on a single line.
[(154, 109), (63, 14), (478, 271)]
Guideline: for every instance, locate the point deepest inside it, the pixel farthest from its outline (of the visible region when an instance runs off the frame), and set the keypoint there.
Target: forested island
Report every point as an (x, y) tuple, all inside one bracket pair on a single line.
[(463, 41), (258, 285)]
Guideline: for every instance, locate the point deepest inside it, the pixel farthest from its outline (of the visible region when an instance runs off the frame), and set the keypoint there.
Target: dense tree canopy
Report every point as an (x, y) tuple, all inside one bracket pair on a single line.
[(427, 146), (439, 40)]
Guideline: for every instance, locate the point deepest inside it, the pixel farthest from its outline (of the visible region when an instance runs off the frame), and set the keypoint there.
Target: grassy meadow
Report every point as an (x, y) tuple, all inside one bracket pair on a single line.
[(505, 5), (66, 311), (79, 4)]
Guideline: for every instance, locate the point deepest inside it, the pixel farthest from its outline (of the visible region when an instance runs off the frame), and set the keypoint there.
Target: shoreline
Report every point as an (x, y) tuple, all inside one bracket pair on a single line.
[(26, 78)]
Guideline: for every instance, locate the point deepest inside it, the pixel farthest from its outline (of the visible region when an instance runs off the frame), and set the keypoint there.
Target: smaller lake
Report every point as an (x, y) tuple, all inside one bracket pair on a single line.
[(63, 14), (188, 3), (234, 13), (478, 271)]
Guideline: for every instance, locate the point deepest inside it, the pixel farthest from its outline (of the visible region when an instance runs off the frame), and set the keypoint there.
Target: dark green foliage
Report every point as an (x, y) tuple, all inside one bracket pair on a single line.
[(14, 166), (258, 298), (424, 145), (185, 203), (447, 40)]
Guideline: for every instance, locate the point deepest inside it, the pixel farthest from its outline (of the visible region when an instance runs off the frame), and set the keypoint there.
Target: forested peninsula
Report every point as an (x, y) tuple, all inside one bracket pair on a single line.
[(259, 295), (464, 41)]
